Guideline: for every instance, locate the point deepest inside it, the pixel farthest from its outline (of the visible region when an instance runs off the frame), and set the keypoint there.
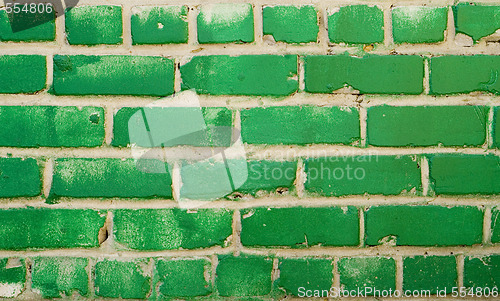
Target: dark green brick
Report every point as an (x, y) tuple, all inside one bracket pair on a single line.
[(12, 276), (279, 125), (241, 75), (27, 27), (465, 174), (373, 272), (433, 273), (268, 176), (291, 24), (208, 126), (93, 25), (19, 177), (476, 20), (43, 228), (464, 74), (483, 272), (225, 23), (308, 273), (56, 277), (389, 74), (182, 277), (446, 126), (26, 126), (300, 227), (495, 225), (110, 177), (496, 127), (159, 24), (22, 73), (243, 276), (419, 24), (356, 24), (113, 75), (125, 279), (372, 174), (423, 225), (161, 229)]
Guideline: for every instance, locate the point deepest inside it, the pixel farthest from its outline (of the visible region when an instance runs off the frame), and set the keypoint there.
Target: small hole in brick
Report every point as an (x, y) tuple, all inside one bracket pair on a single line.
[(103, 234), (235, 196), (160, 25), (94, 118), (281, 190)]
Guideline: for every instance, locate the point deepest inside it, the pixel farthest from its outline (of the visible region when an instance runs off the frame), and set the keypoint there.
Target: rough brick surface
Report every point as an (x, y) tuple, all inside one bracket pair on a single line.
[(308, 273), (496, 127), (182, 277), (92, 25), (356, 24), (225, 23), (159, 25), (290, 24), (375, 272), (419, 24), (476, 20), (20, 177), (482, 271), (12, 276), (430, 273), (125, 279), (27, 27), (22, 73)]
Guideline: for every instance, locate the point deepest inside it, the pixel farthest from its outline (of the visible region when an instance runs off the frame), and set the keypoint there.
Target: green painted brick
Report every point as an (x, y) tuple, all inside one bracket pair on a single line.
[(361, 272), (433, 273), (207, 126), (182, 277), (419, 24), (19, 177), (464, 74), (356, 24), (125, 279), (93, 25), (300, 227), (376, 74), (113, 75), (291, 24), (476, 20), (165, 229), (423, 225), (22, 73), (308, 273), (465, 174), (55, 277), (225, 23), (444, 125), (26, 126), (243, 276), (109, 177), (241, 75), (12, 276), (495, 225), (268, 176), (159, 25), (44, 228), (496, 127), (483, 272), (278, 125), (372, 174), (27, 27)]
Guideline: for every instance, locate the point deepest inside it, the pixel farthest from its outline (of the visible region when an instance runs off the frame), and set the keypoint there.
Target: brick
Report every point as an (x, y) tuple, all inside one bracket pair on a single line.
[(279, 125), (361, 272), (27, 126), (93, 25), (19, 177), (465, 174), (371, 174), (390, 74), (464, 74), (308, 273), (433, 273), (113, 75), (159, 25), (225, 23), (356, 24), (496, 127), (55, 277), (423, 225), (243, 276), (482, 272), (291, 24), (22, 73), (444, 125), (495, 225), (241, 75), (419, 24), (476, 20), (208, 126), (300, 227), (12, 276), (43, 228), (165, 229), (125, 279), (182, 277), (269, 176), (109, 177), (27, 27)]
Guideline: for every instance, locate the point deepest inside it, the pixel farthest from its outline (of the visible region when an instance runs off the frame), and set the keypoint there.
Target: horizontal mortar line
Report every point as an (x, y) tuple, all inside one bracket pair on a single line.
[(271, 2)]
